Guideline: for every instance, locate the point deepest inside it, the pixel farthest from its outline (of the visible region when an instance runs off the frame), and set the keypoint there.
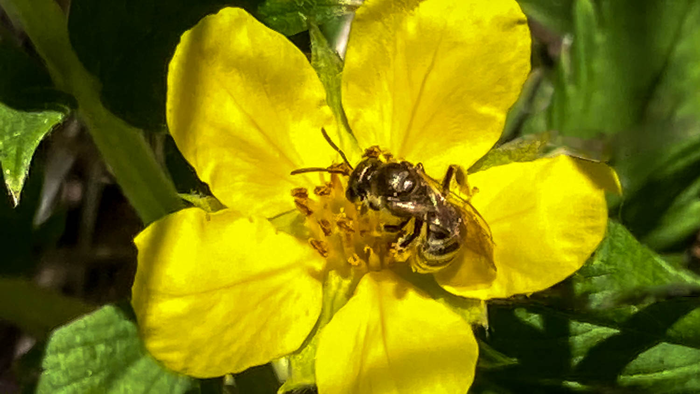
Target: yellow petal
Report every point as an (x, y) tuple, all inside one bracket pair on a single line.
[(217, 293), (390, 338), (432, 81), (246, 108), (546, 217)]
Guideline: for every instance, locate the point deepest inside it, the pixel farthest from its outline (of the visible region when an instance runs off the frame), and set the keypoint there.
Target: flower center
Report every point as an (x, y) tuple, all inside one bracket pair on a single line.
[(347, 233)]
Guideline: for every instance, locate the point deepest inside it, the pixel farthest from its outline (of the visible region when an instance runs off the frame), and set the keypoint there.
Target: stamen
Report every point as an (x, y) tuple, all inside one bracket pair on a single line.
[(340, 168), (398, 253), (373, 152), (374, 263), (300, 192), (346, 233), (355, 260), (320, 246), (302, 205), (325, 227), (344, 223), (324, 190)]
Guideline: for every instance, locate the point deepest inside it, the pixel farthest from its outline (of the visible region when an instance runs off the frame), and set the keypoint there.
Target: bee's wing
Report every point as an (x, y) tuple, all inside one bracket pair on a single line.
[(477, 236)]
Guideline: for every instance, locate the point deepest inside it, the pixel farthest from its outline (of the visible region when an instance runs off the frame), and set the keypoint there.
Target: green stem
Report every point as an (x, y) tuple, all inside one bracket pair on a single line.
[(123, 147)]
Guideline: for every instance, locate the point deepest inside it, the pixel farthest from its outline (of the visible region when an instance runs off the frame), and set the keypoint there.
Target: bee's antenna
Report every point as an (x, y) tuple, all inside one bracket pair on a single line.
[(316, 169), (334, 146)]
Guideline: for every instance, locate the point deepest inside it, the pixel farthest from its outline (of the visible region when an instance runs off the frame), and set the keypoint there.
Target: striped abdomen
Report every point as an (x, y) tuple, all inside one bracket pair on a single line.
[(442, 240)]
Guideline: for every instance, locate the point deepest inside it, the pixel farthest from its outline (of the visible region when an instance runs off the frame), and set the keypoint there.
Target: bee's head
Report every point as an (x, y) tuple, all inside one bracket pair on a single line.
[(360, 181)]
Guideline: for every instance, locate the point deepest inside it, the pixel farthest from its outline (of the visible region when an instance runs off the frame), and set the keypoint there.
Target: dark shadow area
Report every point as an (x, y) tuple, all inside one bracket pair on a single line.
[(645, 329), (643, 211), (25, 84), (128, 45), (257, 380), (541, 349)]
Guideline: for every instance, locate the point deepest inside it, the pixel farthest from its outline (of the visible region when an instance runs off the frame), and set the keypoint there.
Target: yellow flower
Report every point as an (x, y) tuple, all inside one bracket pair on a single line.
[(428, 81)]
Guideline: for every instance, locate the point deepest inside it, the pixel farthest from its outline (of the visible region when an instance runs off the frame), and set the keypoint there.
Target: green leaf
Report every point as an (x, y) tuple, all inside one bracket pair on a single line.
[(665, 368), (631, 289), (102, 353), (291, 17), (681, 219), (20, 135), (624, 276), (490, 358), (207, 203), (29, 107), (527, 148), (616, 324), (35, 310), (620, 268), (557, 352)]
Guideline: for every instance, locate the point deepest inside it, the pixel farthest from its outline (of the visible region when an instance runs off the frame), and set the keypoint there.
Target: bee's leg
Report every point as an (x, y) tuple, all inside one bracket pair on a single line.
[(456, 173), (447, 180), (395, 228), (406, 240)]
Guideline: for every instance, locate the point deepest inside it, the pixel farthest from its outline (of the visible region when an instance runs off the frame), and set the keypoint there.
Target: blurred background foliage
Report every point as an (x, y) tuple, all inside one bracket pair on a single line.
[(612, 80)]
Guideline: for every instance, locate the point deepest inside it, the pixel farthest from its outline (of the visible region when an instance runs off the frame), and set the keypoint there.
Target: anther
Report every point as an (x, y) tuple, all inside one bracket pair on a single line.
[(344, 223), (300, 192), (324, 190), (373, 152), (325, 227), (355, 260), (320, 246), (340, 168), (398, 253), (303, 206), (373, 261)]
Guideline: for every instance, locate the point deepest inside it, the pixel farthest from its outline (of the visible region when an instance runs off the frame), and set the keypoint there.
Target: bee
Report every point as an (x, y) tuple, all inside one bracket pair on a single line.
[(442, 221)]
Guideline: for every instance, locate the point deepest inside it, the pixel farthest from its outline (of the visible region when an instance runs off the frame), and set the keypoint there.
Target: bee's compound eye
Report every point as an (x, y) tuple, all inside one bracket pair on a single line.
[(351, 195)]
